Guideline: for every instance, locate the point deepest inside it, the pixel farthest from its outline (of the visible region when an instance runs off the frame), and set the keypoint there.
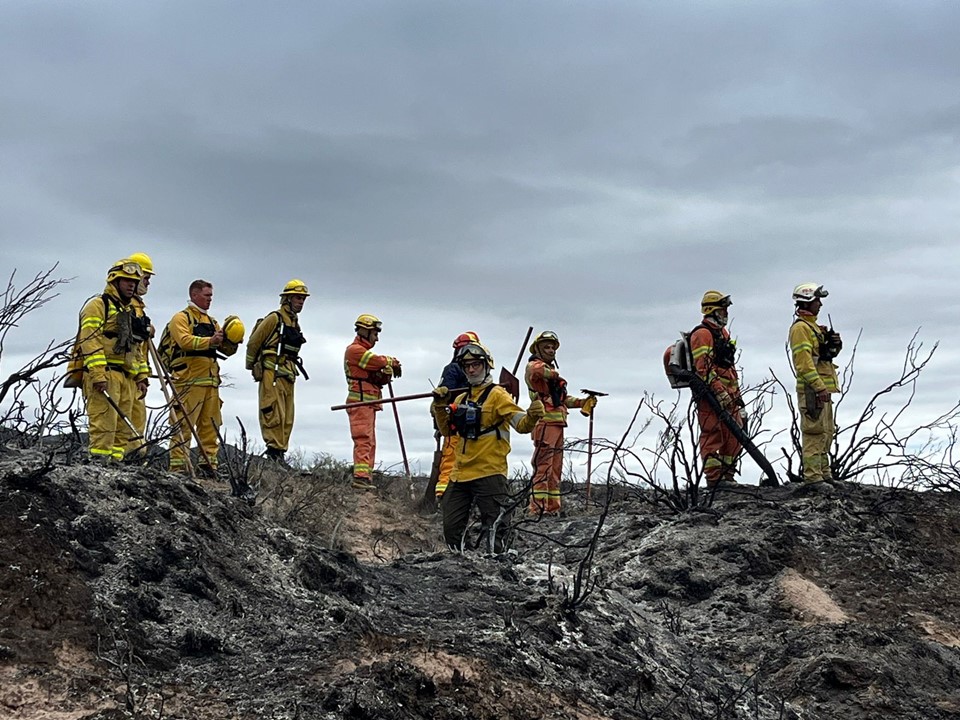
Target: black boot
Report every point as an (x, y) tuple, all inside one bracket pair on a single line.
[(277, 455)]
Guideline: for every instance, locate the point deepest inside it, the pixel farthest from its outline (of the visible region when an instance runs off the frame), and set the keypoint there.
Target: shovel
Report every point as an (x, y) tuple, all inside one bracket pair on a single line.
[(509, 379)]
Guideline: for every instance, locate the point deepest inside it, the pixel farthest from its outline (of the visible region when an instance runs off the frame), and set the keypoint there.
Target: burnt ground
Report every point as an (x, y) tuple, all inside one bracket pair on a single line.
[(133, 593)]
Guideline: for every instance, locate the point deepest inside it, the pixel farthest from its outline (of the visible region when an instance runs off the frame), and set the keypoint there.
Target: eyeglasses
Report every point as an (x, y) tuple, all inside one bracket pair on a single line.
[(472, 364)]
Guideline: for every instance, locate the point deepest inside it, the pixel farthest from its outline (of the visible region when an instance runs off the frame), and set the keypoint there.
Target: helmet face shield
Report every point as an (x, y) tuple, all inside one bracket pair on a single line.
[(368, 322), (808, 292), (714, 300), (125, 269), (546, 335), (295, 287), (474, 352), (144, 261)]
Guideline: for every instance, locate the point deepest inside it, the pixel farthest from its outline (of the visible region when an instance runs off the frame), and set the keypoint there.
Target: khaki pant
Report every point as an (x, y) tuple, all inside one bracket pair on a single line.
[(276, 411), (138, 416), (547, 467), (363, 430), (817, 437), (109, 435), (202, 403)]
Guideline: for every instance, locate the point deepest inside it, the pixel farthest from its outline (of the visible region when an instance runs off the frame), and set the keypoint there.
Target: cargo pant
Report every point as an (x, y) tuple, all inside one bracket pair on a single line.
[(202, 403), (276, 410), (109, 435), (547, 467), (719, 448), (492, 499), (363, 431), (138, 416), (817, 430)]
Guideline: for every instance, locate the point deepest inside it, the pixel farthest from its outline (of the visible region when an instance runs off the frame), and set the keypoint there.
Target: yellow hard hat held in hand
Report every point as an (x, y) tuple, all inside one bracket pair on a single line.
[(233, 329)]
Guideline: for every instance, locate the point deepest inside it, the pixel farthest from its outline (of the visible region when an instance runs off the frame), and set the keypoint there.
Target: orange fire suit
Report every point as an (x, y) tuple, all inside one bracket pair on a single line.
[(273, 353), (196, 380), (817, 424), (366, 375), (109, 355), (713, 360), (545, 383)]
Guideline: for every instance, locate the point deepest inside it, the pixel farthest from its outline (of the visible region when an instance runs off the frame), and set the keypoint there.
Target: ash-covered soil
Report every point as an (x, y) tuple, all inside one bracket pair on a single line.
[(133, 593)]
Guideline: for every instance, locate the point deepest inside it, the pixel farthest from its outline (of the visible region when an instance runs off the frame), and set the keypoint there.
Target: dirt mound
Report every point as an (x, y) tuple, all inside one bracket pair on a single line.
[(132, 593)]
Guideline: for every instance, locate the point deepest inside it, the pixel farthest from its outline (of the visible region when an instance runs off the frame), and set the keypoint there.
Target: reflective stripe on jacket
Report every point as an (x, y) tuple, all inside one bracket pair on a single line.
[(98, 334), (704, 359), (805, 340), (539, 376), (196, 369), (364, 369), (139, 309), (486, 455), (264, 344)]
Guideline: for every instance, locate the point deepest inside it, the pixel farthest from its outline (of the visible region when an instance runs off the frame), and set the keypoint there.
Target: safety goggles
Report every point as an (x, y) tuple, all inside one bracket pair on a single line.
[(128, 268)]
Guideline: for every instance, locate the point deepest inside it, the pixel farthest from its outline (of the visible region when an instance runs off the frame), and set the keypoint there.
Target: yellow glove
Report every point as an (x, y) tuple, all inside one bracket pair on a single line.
[(388, 371), (533, 415), (723, 397), (440, 394), (586, 409), (536, 411)]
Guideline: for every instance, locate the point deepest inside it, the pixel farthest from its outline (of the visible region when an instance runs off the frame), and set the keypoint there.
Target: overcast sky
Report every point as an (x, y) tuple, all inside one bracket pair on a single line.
[(586, 167)]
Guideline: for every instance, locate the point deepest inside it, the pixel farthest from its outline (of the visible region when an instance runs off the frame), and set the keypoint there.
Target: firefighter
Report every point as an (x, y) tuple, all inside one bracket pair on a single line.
[(452, 377), (273, 356), (813, 348), (479, 422), (195, 339), (714, 360), (110, 346), (367, 373), (138, 414), (545, 383)]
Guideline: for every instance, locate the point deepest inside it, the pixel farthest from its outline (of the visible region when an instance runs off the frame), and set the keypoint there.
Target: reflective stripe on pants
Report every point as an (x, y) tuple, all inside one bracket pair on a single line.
[(363, 431), (202, 403), (547, 467)]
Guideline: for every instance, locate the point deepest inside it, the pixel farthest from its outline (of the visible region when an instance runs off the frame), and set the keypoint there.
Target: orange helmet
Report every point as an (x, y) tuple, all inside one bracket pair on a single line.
[(465, 339)]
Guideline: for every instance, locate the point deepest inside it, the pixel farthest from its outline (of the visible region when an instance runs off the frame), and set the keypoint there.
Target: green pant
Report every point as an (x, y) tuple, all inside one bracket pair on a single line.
[(493, 501), (817, 436)]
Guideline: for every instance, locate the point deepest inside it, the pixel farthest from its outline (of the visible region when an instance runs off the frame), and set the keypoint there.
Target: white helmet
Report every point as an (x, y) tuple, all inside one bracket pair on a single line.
[(808, 292)]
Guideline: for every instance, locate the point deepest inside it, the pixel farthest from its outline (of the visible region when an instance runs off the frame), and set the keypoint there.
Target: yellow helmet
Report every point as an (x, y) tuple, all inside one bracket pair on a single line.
[(368, 322), (545, 335), (233, 329), (475, 351), (144, 261), (127, 269), (295, 287), (714, 300)]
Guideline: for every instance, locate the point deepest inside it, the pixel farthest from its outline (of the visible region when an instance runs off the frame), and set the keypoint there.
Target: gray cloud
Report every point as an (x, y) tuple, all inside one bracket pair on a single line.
[(589, 167)]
